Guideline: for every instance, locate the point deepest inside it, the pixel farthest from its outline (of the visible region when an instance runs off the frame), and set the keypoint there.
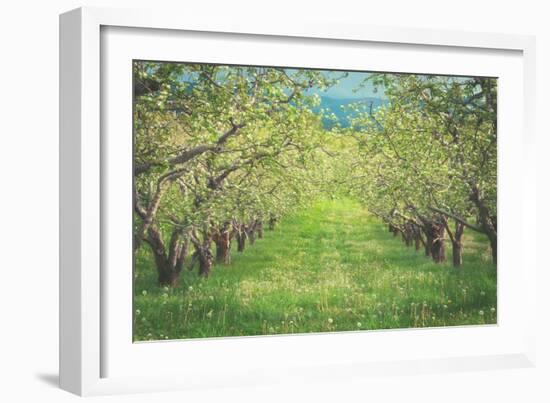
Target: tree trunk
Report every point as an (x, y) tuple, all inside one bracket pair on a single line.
[(252, 237), (458, 246), (417, 235), (251, 232), (168, 265), (394, 230), (241, 238), (222, 239), (429, 241), (488, 222), (438, 242), (148, 215), (203, 253), (205, 260), (408, 234), (223, 247), (260, 227), (272, 222), (167, 277)]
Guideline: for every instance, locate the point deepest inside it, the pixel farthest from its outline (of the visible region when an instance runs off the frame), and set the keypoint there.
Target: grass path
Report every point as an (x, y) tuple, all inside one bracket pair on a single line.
[(330, 268)]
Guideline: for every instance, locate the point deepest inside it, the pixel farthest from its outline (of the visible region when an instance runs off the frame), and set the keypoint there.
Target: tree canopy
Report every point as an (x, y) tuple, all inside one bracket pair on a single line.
[(222, 151)]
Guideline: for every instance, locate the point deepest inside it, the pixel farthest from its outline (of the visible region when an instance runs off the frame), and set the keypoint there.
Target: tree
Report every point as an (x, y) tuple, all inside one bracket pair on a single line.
[(433, 148), (196, 127)]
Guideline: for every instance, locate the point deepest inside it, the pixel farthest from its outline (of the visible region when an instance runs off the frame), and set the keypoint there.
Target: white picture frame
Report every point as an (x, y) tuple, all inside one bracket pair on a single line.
[(87, 343)]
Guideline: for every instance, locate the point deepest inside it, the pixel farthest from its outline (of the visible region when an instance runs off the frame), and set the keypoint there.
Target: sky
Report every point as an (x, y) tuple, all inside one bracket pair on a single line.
[(346, 86), (351, 85)]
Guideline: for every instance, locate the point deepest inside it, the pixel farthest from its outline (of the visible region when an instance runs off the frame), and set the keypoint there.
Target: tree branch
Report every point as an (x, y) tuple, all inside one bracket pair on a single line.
[(458, 218), (188, 155)]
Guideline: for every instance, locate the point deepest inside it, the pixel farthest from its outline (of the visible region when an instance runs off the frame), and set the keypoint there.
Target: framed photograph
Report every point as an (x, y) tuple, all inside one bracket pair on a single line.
[(247, 202)]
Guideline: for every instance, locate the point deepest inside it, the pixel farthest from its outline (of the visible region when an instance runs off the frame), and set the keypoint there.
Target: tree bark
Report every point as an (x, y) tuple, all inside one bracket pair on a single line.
[(272, 222), (168, 263), (434, 229), (488, 221), (429, 241), (223, 244), (188, 155), (260, 228), (395, 231), (408, 234), (203, 253), (252, 237), (148, 215), (205, 260), (458, 246), (417, 237), (438, 242), (241, 238), (251, 232)]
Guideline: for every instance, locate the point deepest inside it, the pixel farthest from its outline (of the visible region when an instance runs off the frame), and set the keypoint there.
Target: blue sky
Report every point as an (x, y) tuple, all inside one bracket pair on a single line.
[(344, 89), (346, 86)]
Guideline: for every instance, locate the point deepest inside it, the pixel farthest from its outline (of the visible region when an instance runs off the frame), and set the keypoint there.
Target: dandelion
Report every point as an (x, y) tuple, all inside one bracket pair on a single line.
[(138, 312), (493, 309), (144, 292), (190, 288), (445, 306), (330, 321), (359, 324), (481, 313)]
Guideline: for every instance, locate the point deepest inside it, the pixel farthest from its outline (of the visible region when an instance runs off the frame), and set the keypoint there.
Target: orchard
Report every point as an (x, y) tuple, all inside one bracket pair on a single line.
[(228, 159)]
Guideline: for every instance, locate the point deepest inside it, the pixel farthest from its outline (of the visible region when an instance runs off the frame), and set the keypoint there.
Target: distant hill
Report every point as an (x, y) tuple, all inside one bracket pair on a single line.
[(337, 106)]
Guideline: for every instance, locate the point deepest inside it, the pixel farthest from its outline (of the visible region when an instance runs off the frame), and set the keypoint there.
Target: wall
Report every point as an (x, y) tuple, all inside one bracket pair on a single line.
[(29, 187)]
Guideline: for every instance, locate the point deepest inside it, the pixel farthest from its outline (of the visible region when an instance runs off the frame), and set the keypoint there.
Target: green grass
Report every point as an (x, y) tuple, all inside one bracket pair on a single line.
[(330, 268)]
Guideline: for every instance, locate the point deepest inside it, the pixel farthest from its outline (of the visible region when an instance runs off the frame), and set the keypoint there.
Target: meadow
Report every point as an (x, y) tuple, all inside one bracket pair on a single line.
[(328, 268)]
